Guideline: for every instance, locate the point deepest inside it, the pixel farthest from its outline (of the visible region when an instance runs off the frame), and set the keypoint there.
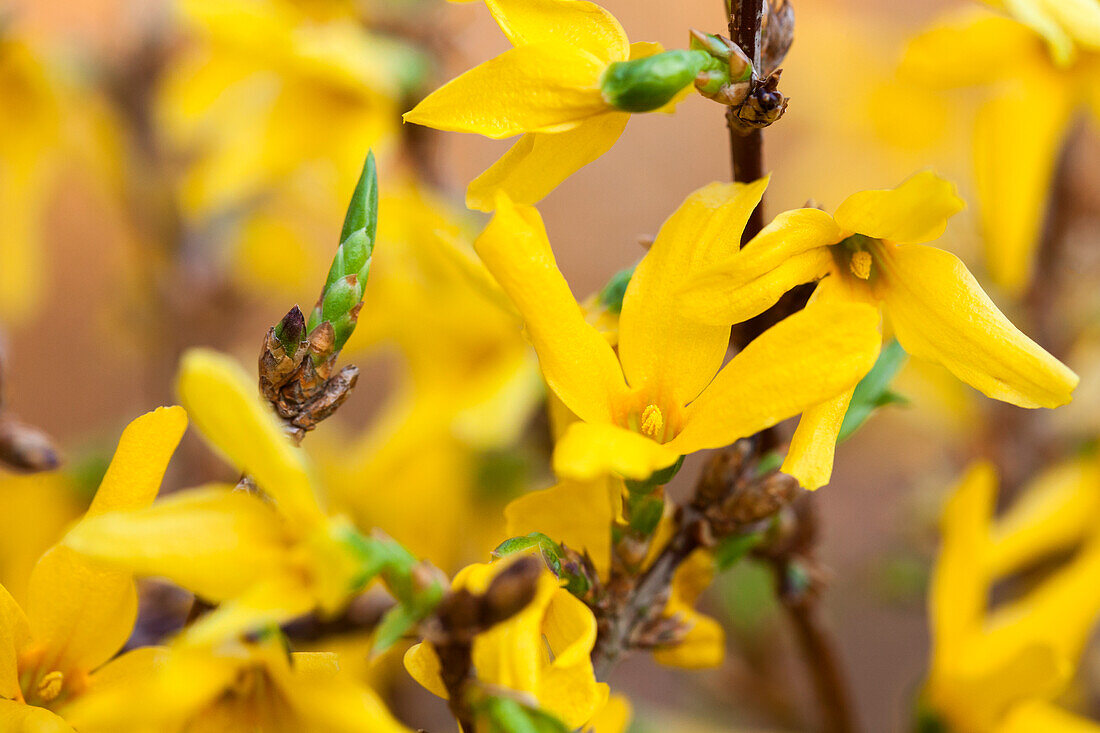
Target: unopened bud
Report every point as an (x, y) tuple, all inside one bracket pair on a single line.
[(511, 590), (26, 448), (647, 84)]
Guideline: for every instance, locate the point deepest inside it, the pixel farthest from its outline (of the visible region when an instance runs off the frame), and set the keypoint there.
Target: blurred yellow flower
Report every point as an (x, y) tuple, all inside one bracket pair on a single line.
[(78, 613), (1000, 669), (1038, 68), (30, 138), (546, 88), (236, 686), (264, 561), (659, 396), (870, 253), (543, 650)]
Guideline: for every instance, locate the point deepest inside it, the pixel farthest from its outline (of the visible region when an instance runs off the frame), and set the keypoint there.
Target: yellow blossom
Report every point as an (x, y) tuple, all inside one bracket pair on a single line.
[(936, 307), (79, 614), (1037, 68), (666, 363), (236, 686), (1000, 669), (264, 561), (546, 88), (544, 650)]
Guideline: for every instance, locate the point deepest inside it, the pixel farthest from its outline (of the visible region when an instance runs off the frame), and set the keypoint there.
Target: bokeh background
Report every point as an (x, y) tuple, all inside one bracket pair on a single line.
[(119, 288)]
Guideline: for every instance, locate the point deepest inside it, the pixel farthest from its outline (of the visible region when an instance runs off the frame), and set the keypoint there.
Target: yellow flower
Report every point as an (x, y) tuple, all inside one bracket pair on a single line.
[(78, 613), (236, 686), (998, 670), (543, 650), (546, 88), (659, 396), (29, 144), (580, 514), (264, 561), (35, 511), (1038, 70), (869, 252)]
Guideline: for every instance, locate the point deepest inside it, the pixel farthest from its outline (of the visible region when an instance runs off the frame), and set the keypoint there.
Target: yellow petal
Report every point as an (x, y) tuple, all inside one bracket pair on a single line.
[(662, 350), (578, 513), (335, 704), (212, 541), (576, 22), (576, 360), (915, 211), (225, 405), (569, 629), (539, 161), (423, 665), (80, 611), (925, 289), (270, 602), (139, 463), (15, 632), (813, 445), (513, 653), (959, 584), (1061, 23), (1038, 715), (703, 647), (572, 695), (969, 48), (129, 667), (613, 717), (791, 250), (1052, 514), (589, 451), (15, 717), (806, 359), (1018, 137), (544, 87)]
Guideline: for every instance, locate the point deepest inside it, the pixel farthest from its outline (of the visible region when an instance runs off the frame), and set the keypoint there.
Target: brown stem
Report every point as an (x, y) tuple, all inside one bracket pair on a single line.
[(747, 147), (819, 650)]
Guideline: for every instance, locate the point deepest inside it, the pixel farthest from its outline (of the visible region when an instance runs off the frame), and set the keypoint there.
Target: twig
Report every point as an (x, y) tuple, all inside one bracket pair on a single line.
[(747, 146)]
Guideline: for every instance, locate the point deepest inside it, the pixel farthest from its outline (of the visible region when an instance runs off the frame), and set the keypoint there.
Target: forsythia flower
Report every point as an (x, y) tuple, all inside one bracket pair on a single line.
[(80, 614), (869, 252), (1040, 66), (665, 393), (264, 561), (999, 670), (29, 136), (543, 650), (236, 686), (547, 88)]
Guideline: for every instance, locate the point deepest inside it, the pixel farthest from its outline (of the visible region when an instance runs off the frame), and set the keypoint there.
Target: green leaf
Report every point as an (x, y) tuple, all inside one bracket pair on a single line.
[(363, 209), (730, 550), (505, 715), (646, 84), (873, 391), (551, 551), (403, 617)]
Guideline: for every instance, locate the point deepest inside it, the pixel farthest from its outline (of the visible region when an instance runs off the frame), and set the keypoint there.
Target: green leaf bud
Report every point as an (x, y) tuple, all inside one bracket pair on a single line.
[(646, 84)]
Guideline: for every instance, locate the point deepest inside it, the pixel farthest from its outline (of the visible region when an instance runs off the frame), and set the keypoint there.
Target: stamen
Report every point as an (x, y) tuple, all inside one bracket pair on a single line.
[(653, 422), (49, 687), (860, 264)]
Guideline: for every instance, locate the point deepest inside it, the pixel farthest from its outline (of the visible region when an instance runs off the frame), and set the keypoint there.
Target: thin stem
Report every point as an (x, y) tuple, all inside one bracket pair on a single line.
[(747, 147)]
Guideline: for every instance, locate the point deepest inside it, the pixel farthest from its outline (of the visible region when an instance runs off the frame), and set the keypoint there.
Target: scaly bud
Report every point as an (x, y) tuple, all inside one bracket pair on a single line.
[(646, 84)]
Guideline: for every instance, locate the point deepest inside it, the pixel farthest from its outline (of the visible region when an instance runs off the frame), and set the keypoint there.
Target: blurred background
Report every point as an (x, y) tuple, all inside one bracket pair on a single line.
[(175, 174)]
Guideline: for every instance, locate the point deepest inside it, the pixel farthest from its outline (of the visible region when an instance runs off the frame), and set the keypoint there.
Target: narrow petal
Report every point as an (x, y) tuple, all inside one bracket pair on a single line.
[(139, 463), (423, 665), (576, 22), (214, 542), (928, 291), (577, 362), (791, 250), (613, 717), (269, 603), (226, 407), (570, 630), (810, 457), (589, 451), (15, 632), (129, 667), (1039, 715), (806, 359), (662, 350), (1018, 137), (703, 647), (916, 211), (572, 695), (544, 87), (959, 583), (970, 48), (1053, 514), (80, 612), (539, 162), (15, 717), (335, 704), (578, 513)]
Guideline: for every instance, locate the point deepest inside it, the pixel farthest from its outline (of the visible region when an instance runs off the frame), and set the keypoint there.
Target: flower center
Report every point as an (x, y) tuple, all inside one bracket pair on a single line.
[(49, 687), (860, 264), (653, 422)]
